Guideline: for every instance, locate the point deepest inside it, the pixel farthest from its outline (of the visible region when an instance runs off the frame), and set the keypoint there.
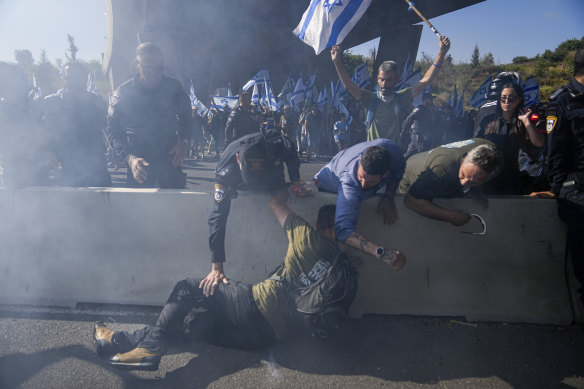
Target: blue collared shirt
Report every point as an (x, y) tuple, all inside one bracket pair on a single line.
[(340, 176)]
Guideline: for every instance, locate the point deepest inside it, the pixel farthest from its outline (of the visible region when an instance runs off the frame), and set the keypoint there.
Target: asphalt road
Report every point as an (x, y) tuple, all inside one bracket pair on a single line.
[(53, 348)]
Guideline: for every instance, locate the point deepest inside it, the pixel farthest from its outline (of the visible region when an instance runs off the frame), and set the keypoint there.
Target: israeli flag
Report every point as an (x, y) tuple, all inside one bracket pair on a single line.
[(36, 91), (343, 109), (91, 82), (270, 99), (220, 101), (298, 94), (327, 22), (530, 92), (361, 75), (202, 110), (255, 96), (192, 95), (480, 96), (309, 86), (229, 92), (412, 79), (287, 88), (325, 98), (258, 78)]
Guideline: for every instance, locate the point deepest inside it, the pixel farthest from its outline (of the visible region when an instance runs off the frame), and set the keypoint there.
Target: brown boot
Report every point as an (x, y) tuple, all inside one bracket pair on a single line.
[(137, 359)]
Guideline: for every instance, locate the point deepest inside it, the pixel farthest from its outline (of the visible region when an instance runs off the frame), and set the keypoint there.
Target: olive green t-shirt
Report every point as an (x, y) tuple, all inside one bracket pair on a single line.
[(386, 122), (434, 173), (309, 256)]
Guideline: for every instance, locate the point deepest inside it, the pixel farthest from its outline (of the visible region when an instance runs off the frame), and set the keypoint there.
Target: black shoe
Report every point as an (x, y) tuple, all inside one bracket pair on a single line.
[(136, 359), (103, 339)]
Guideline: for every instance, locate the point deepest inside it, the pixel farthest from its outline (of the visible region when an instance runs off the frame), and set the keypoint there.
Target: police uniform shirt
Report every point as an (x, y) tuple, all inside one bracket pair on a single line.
[(565, 126)]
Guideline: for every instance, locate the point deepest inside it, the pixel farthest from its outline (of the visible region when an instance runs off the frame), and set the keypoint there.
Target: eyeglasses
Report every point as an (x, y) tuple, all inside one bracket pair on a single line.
[(510, 99)]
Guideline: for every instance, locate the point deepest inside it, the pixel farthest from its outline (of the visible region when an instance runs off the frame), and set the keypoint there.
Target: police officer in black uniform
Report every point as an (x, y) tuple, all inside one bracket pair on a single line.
[(253, 162), (565, 126), (144, 117), (241, 121)]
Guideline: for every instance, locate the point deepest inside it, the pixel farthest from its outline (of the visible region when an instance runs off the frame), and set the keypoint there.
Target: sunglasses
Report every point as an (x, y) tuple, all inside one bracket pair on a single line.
[(510, 99)]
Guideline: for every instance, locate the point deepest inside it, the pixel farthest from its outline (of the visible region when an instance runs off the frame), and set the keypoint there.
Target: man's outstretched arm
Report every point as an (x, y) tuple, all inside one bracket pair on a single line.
[(337, 57), (279, 206), (433, 211)]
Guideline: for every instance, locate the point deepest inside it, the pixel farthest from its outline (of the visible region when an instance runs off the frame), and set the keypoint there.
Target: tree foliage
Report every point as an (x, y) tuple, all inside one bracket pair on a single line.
[(72, 56), (475, 59)]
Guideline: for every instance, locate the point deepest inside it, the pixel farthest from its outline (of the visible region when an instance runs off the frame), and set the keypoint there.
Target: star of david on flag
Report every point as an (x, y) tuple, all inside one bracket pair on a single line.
[(327, 23)]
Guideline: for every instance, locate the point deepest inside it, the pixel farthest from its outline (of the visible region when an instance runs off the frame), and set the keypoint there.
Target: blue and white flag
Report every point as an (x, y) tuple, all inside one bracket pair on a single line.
[(361, 75), (270, 99), (309, 87), (480, 96), (36, 91), (343, 109), (202, 110), (91, 83), (229, 92), (219, 102), (298, 94), (287, 88), (255, 96), (530, 92), (327, 22), (258, 78), (320, 101), (410, 81), (454, 100)]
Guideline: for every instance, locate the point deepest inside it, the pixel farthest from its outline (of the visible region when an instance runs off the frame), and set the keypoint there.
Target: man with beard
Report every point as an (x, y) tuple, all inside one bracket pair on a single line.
[(386, 107)]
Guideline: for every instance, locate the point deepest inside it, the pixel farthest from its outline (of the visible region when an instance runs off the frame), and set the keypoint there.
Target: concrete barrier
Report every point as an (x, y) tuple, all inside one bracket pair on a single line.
[(61, 246)]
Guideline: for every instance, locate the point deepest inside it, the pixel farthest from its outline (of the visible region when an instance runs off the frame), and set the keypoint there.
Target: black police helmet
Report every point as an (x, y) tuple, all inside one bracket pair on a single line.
[(498, 82)]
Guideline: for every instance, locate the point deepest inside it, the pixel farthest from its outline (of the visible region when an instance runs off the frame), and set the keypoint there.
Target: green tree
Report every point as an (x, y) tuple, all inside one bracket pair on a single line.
[(25, 60), (352, 61), (475, 59), (488, 60), (72, 56), (520, 59), (46, 74)]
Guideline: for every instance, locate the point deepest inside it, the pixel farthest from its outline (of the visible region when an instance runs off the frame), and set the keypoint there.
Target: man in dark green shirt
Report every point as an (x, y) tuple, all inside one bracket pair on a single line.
[(237, 315), (451, 170)]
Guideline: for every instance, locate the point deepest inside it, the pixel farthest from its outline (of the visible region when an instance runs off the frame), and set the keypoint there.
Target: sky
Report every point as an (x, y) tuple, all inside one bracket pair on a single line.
[(506, 28)]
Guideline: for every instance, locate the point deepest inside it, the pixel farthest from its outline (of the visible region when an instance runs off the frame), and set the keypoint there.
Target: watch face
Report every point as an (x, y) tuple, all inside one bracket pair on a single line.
[(380, 251)]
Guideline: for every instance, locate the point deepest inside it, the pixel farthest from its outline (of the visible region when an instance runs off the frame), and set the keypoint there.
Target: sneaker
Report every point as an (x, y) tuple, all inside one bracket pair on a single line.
[(103, 339), (136, 359)]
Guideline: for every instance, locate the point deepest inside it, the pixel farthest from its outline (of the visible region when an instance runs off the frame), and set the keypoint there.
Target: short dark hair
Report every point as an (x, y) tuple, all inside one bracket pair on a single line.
[(579, 62), (326, 217), (375, 161), (148, 48), (243, 95)]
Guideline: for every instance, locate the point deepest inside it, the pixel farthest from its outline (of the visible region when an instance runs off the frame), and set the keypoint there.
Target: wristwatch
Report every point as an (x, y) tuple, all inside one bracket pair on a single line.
[(379, 252)]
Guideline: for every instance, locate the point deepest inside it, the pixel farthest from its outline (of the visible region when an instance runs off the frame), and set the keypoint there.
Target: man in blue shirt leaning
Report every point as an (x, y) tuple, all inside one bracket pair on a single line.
[(356, 174)]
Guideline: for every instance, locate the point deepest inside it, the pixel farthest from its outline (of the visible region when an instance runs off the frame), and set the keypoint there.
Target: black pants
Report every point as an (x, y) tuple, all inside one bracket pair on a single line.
[(229, 318), (571, 211)]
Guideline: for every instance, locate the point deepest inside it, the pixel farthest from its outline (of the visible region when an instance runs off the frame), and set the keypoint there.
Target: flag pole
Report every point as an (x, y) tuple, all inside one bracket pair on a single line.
[(411, 4)]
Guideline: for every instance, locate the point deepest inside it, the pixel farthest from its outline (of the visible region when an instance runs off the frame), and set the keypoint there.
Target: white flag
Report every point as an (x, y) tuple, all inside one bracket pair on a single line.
[(480, 96), (258, 78), (327, 22)]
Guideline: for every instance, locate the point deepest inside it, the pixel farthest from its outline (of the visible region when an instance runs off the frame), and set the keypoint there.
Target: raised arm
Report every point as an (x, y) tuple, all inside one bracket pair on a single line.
[(444, 45), (337, 57), (279, 206)]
